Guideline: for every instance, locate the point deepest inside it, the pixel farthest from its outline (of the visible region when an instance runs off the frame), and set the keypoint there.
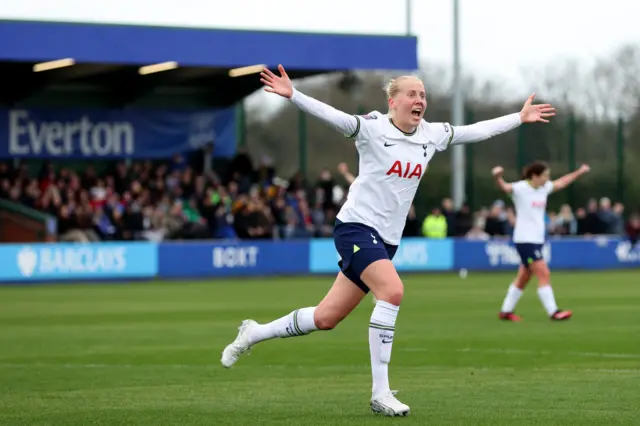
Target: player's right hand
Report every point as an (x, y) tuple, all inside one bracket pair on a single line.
[(343, 168), (585, 168), (280, 85), (497, 171)]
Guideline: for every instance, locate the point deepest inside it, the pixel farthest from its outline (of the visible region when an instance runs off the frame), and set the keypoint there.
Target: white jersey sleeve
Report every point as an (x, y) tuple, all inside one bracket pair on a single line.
[(484, 130), (444, 134), (517, 188), (350, 126), (548, 186), (367, 126)]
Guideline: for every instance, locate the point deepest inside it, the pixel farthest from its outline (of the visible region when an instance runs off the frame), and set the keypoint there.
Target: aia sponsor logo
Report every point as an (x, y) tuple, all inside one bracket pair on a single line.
[(405, 171)]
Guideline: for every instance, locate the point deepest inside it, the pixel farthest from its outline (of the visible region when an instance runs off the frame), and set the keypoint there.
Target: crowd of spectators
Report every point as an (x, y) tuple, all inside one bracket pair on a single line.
[(180, 199), (598, 217), (186, 199)]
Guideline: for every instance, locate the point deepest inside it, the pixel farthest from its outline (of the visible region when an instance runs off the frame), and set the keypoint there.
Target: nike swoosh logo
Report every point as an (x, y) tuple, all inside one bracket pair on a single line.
[(387, 341), (388, 144)]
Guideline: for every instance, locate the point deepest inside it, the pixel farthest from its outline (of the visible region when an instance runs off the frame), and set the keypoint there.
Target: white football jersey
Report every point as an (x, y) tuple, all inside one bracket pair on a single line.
[(391, 165), (531, 205), (393, 162)]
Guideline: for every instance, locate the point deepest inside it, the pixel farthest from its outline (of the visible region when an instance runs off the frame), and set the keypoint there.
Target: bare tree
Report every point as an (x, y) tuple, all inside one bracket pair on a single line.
[(618, 78), (603, 91)]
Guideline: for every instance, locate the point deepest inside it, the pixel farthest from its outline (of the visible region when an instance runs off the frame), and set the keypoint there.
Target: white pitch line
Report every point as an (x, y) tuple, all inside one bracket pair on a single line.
[(532, 352), (97, 366), (215, 366)]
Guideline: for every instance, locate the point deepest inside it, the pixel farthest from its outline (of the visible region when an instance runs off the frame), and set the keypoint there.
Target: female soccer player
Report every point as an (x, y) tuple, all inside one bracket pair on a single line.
[(530, 200), (394, 149)]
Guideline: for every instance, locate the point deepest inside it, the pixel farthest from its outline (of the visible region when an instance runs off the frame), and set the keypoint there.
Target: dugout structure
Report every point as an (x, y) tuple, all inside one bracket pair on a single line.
[(107, 59), (211, 68)]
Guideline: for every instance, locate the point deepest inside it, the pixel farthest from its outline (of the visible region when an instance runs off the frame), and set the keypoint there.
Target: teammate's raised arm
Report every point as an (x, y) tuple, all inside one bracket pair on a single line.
[(484, 130), (497, 175), (568, 179), (343, 169), (281, 85)]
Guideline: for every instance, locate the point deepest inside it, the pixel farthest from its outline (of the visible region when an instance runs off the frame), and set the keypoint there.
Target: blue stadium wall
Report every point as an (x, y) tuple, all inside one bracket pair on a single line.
[(37, 263)]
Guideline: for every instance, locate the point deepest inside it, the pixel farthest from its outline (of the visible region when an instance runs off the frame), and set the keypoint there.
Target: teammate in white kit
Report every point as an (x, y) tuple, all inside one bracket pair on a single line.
[(530, 201), (394, 149)]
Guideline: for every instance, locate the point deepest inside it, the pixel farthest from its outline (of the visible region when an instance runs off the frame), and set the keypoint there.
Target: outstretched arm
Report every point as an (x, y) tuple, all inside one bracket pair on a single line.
[(348, 125), (487, 129), (568, 179), (484, 130), (281, 85), (497, 175)]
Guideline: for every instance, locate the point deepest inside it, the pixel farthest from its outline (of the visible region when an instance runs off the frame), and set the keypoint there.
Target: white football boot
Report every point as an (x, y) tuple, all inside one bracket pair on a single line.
[(387, 404), (239, 346)]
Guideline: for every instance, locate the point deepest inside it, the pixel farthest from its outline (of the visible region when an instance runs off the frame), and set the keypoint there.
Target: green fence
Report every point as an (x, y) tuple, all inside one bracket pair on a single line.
[(565, 145), (608, 147)]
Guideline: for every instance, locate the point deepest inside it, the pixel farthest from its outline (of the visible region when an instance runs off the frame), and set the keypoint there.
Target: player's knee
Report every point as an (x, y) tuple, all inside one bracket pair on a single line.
[(384, 282), (521, 284), (392, 294), (395, 299), (542, 273), (325, 321), (543, 278)]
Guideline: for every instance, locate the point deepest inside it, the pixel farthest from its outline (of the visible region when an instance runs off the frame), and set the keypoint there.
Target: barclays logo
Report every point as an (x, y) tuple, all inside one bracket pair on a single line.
[(70, 260), (27, 260)]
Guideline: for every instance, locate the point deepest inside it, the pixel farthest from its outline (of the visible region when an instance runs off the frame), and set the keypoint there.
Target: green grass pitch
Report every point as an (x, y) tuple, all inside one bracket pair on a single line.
[(148, 354)]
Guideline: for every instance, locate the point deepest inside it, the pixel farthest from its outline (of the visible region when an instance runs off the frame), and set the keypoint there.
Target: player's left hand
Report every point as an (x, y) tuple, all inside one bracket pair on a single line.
[(536, 113)]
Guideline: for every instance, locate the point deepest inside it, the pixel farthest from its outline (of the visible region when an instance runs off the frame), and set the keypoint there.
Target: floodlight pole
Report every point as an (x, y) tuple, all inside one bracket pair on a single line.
[(457, 119), (408, 18)]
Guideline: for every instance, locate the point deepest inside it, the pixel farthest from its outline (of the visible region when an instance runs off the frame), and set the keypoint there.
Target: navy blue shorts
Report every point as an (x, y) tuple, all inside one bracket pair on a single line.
[(529, 253), (359, 246)]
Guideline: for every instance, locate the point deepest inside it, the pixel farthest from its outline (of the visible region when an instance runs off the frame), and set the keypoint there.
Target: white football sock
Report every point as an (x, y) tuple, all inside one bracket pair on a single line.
[(511, 299), (381, 332), (298, 323), (545, 293)]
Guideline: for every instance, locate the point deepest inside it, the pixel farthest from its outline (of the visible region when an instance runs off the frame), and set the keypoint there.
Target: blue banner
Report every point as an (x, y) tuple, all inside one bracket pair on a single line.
[(50, 262), (200, 260), (109, 261), (80, 133), (588, 254), (414, 254)]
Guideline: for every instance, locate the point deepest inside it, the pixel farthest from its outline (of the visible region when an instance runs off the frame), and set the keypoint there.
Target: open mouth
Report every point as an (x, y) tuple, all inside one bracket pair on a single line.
[(416, 112)]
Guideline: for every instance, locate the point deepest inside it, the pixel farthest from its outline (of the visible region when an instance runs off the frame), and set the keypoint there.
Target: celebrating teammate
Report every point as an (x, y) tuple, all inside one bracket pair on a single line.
[(394, 149), (530, 200)]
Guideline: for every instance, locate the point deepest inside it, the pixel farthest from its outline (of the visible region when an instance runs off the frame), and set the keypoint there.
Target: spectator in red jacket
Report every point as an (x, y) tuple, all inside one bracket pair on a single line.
[(633, 228)]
